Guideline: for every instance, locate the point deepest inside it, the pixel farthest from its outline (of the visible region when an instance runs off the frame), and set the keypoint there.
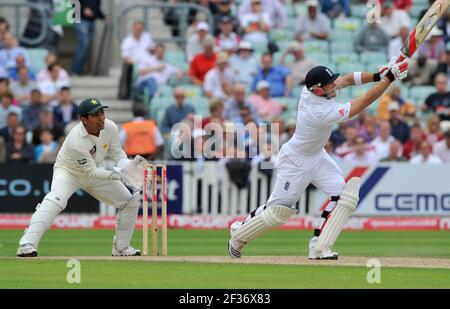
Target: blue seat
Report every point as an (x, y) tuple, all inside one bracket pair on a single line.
[(37, 56)]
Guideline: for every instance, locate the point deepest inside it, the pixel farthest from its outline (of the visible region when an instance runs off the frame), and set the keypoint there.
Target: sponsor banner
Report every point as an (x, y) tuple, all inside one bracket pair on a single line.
[(399, 189), (22, 187), (223, 222)]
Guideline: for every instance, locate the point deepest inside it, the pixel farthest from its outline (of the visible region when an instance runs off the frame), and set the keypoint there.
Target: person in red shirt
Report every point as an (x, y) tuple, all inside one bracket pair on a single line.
[(202, 63), (412, 146), (401, 4)]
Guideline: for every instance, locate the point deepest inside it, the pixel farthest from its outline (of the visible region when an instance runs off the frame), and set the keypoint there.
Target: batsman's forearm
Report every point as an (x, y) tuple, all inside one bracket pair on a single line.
[(357, 105)]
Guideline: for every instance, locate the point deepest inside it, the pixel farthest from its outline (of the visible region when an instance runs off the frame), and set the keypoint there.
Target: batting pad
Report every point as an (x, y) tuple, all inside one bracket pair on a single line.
[(346, 205), (125, 222), (272, 216)]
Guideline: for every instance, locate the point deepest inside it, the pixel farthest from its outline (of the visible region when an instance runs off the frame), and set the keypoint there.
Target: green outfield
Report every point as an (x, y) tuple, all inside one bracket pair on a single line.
[(421, 260)]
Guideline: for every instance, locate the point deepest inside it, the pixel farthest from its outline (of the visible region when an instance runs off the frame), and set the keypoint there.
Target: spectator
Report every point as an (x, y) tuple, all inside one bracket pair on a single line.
[(197, 41), (141, 136), (13, 73), (31, 112), (234, 105), (66, 111), (412, 146), (227, 40), (256, 24), (434, 133), (335, 8), (266, 107), (202, 63), (154, 71), (444, 66), (6, 107), (10, 52), (4, 85), (4, 28), (371, 39), (434, 46), (275, 9), (301, 64), (22, 88), (279, 77), (45, 75), (393, 94), (12, 122), (244, 65), (425, 155), (392, 20), (48, 148), (220, 79), (47, 122), (178, 111), (50, 86), (361, 154), (400, 130), (421, 70), (396, 43), (382, 143), (402, 4), (90, 11), (224, 10), (347, 147), (330, 151), (442, 148), (138, 43), (395, 153), (314, 25), (439, 102), (216, 108), (369, 129), (337, 137), (17, 149)]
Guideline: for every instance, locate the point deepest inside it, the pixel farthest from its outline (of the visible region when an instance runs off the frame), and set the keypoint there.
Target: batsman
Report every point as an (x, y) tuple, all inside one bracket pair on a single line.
[(79, 166), (303, 160)]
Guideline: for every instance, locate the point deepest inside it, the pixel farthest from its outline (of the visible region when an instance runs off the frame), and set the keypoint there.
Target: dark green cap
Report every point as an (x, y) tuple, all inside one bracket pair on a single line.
[(90, 107)]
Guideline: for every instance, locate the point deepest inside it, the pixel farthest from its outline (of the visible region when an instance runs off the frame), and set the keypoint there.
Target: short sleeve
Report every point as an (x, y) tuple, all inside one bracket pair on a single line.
[(337, 113)]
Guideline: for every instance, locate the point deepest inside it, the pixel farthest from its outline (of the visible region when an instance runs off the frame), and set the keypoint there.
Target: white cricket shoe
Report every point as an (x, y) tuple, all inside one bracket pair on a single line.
[(235, 248), (128, 251), (326, 254), (27, 250)]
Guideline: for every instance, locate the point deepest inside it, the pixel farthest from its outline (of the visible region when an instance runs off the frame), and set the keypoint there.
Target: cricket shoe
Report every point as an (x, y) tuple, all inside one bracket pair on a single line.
[(128, 251), (27, 250), (326, 254), (235, 248)]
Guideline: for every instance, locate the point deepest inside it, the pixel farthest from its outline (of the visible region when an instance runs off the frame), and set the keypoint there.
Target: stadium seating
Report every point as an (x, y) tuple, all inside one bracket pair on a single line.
[(37, 56)]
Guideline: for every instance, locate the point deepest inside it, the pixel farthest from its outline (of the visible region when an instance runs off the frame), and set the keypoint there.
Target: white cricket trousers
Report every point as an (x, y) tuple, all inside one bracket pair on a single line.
[(296, 172)]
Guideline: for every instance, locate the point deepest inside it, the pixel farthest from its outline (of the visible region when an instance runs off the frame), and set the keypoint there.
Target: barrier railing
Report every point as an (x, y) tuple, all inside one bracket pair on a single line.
[(40, 8)]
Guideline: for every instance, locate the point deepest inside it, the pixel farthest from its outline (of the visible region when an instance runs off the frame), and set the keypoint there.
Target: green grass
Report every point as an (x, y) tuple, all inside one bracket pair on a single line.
[(135, 274)]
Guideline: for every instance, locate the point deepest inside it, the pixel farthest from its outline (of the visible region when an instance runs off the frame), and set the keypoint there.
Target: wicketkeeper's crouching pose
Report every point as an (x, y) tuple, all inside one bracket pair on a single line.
[(303, 160), (78, 166)]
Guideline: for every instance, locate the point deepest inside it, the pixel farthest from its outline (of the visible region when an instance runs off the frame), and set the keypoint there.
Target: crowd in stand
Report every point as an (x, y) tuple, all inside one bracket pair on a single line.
[(243, 87)]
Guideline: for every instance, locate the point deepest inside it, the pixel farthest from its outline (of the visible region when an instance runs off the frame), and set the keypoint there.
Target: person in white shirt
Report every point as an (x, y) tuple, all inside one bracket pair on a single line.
[(303, 160), (382, 143), (227, 40), (219, 80), (194, 43), (275, 8), (51, 85), (78, 166), (244, 64), (361, 155), (392, 20), (154, 71), (425, 155), (313, 26), (396, 43), (256, 23), (136, 44), (442, 148)]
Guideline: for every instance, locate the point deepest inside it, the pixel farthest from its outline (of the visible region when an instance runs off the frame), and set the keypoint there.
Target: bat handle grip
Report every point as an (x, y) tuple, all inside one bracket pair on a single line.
[(401, 58)]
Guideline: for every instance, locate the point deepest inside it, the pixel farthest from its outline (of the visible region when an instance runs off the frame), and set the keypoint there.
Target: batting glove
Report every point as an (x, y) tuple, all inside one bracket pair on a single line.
[(398, 71)]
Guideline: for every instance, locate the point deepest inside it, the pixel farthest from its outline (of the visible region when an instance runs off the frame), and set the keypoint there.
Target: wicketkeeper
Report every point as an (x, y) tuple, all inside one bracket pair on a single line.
[(78, 166), (303, 160)]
